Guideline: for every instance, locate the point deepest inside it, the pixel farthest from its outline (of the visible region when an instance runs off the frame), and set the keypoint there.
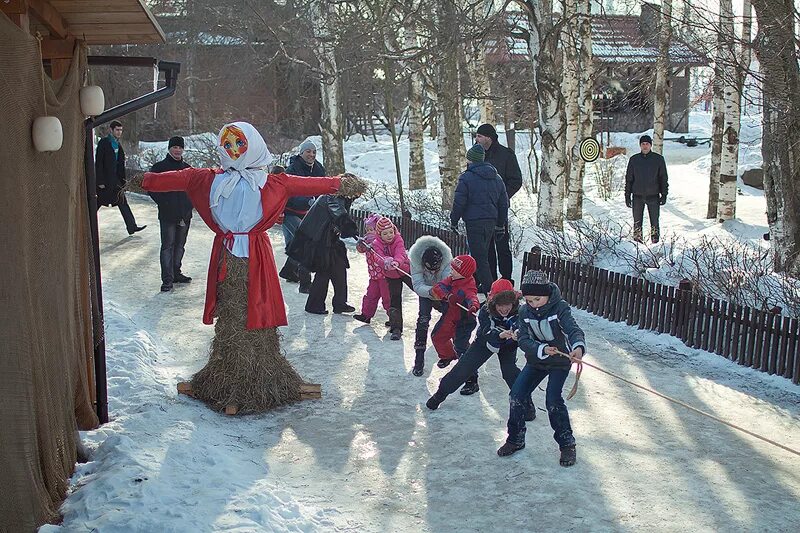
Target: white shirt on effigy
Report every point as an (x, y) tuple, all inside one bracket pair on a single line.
[(239, 212)]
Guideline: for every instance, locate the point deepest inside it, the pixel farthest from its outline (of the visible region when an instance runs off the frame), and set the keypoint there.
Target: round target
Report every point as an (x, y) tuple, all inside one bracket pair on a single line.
[(589, 149)]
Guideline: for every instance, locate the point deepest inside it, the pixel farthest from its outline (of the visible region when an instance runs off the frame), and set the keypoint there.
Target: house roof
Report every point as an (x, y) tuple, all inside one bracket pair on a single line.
[(96, 21)]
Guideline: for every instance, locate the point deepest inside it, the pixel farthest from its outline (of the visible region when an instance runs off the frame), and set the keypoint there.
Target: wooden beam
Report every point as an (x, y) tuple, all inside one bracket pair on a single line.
[(58, 48), (17, 11), (47, 15)]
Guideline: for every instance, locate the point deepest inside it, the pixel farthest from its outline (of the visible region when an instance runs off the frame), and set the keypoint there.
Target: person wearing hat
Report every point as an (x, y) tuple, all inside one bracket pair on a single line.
[(303, 164), (546, 330), (481, 200), (459, 293), (496, 334), (505, 161), (646, 184), (174, 216)]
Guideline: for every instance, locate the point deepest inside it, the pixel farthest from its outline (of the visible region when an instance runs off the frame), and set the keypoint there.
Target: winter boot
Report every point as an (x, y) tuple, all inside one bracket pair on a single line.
[(419, 362), (435, 400), (444, 363), (395, 323), (530, 412), (362, 318), (568, 456), (470, 387), (508, 448), (346, 308)]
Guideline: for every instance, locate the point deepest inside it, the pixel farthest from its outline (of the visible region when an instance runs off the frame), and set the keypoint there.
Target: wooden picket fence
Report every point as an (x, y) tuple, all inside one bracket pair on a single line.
[(411, 230), (763, 340)]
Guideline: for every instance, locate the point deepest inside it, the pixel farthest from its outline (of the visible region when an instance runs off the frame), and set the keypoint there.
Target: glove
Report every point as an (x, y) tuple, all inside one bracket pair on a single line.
[(662, 199), (499, 233), (387, 263), (628, 200)]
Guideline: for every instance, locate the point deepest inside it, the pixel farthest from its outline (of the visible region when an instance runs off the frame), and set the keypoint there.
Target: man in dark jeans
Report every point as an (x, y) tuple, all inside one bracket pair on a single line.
[(504, 160), (480, 199), (109, 168), (646, 185), (174, 215)]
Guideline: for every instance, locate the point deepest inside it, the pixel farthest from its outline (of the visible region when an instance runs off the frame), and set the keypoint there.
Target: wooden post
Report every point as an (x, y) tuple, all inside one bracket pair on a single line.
[(683, 306)]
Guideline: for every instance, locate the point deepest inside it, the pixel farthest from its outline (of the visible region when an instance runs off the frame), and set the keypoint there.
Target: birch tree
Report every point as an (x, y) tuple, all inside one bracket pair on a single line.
[(416, 135), (717, 124), (571, 90), (661, 97)]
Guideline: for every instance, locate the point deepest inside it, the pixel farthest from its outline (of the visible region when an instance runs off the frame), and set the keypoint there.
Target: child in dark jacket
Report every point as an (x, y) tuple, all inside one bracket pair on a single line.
[(458, 289), (546, 328), (496, 334)]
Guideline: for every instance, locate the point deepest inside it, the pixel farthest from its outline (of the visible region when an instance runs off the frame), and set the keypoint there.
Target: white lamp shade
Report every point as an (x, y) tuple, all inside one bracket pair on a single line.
[(47, 134), (93, 101)]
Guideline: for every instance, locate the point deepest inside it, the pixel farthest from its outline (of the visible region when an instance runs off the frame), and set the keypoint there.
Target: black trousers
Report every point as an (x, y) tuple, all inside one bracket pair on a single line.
[(653, 210), (479, 238), (396, 290), (501, 258), (173, 241), (469, 363), (336, 274)]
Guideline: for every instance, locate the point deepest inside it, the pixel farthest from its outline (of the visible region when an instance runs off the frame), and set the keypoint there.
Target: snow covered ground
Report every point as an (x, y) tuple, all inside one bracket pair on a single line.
[(370, 457)]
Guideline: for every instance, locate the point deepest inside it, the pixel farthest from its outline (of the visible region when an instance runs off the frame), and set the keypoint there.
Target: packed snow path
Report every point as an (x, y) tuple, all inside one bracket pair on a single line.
[(370, 456)]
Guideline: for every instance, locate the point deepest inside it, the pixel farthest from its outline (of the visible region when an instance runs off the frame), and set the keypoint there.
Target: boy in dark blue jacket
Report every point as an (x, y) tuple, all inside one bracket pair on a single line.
[(546, 327), (497, 324)]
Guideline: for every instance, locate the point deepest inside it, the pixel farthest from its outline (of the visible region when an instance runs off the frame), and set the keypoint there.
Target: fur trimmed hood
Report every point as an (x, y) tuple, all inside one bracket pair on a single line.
[(422, 244)]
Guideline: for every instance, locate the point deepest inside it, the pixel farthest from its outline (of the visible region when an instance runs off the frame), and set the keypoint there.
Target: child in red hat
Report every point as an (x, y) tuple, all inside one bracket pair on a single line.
[(497, 324), (458, 289)]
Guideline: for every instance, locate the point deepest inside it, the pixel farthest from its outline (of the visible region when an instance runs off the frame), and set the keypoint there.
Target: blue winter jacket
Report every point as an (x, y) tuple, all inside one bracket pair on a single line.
[(491, 324), (480, 195), (549, 325), (299, 205)]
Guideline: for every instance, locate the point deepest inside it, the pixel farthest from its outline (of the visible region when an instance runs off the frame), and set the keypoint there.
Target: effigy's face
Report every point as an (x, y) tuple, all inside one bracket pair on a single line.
[(234, 142)]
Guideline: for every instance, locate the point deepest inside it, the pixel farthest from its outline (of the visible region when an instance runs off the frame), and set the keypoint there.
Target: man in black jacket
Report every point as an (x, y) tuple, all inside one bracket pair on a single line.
[(174, 215), (646, 185), (303, 164), (505, 161), (109, 169)]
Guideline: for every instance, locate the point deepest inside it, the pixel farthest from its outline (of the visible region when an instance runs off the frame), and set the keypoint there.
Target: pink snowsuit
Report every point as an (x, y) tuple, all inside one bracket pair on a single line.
[(378, 287)]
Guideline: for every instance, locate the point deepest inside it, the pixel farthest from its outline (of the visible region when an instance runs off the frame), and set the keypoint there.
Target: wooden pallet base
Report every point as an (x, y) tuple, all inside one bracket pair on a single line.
[(308, 391)]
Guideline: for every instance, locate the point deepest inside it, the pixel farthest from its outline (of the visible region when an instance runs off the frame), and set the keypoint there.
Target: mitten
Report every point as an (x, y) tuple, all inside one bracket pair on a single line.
[(663, 199)]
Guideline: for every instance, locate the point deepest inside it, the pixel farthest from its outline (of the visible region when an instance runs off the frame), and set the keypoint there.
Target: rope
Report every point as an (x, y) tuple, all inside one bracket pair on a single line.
[(673, 400), (41, 70)]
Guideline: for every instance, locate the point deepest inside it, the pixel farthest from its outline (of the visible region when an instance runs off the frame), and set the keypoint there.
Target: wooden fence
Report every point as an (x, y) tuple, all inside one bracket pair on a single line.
[(758, 339), (412, 230)]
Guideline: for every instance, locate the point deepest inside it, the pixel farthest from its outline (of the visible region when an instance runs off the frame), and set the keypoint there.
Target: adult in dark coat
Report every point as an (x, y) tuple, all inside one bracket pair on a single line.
[(505, 161), (303, 164), (646, 185), (480, 199), (174, 216), (318, 248), (109, 169)]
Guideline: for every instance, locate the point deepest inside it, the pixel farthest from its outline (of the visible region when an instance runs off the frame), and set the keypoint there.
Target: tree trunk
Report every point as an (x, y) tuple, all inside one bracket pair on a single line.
[(781, 86), (717, 123), (661, 99), (546, 57), (416, 134), (331, 124), (571, 90), (448, 100)]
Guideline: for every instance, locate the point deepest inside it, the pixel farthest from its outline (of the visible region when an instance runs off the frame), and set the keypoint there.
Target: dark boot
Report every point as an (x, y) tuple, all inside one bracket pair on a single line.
[(434, 401), (362, 318), (181, 278), (346, 308), (444, 363), (419, 362), (470, 387), (568, 456), (395, 323), (508, 448)]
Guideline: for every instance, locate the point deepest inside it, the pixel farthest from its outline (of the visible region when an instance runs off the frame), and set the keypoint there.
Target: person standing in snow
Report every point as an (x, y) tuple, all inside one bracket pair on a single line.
[(481, 200), (303, 164), (496, 334), (504, 160), (377, 288), (546, 328), (174, 216), (109, 168), (460, 294), (646, 184)]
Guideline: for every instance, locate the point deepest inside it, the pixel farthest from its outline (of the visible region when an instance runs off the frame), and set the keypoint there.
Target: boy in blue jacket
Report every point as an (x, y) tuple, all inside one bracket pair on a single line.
[(546, 327), (496, 334)]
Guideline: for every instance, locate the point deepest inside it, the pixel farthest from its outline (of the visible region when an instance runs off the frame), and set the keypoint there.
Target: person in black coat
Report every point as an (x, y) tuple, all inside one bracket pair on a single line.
[(646, 185), (109, 168), (318, 248), (480, 199), (174, 216), (505, 161), (303, 164)]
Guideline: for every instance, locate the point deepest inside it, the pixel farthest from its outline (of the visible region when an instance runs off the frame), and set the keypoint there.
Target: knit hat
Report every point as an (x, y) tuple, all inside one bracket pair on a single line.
[(371, 221), (384, 223), (645, 139), (502, 292), (175, 141), (432, 258), (535, 283), (476, 154), (308, 144), (487, 130), (464, 265)]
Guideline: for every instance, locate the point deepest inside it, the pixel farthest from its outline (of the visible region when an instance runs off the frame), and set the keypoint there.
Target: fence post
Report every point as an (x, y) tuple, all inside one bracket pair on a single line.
[(683, 307), (535, 259)]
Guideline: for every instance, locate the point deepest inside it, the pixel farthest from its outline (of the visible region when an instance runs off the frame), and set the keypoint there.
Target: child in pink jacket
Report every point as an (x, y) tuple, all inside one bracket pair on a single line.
[(391, 249), (378, 287)]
